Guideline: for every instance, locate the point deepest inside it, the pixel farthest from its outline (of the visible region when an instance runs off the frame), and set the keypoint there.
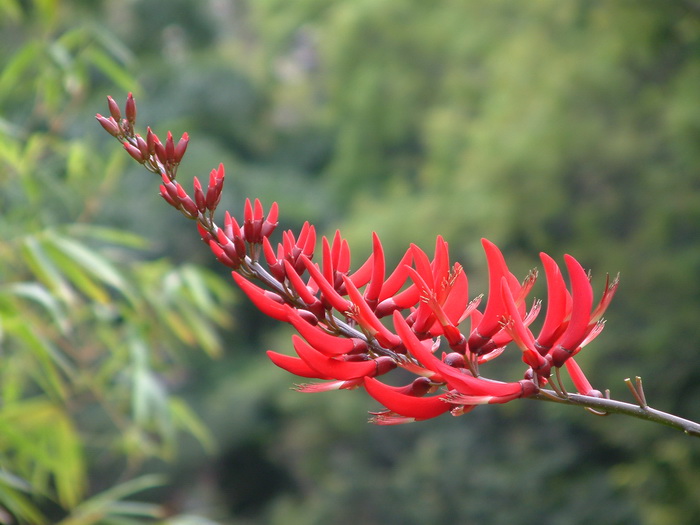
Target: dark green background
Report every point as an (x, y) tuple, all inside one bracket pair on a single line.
[(557, 126)]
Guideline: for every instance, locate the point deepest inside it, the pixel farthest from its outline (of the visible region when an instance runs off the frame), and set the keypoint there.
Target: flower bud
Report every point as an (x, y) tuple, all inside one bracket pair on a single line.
[(109, 125), (114, 109), (134, 152), (130, 109)]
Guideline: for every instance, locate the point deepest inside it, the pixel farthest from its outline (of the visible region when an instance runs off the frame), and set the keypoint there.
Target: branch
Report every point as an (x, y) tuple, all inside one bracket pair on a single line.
[(606, 406)]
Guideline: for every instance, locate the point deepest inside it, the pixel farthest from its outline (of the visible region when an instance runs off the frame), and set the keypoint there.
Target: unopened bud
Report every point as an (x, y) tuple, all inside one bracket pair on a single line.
[(455, 360), (109, 124), (114, 109), (181, 148), (134, 152), (130, 109)]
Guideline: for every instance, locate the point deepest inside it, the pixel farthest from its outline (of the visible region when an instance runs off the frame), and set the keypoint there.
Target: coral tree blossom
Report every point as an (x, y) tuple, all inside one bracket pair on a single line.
[(357, 322)]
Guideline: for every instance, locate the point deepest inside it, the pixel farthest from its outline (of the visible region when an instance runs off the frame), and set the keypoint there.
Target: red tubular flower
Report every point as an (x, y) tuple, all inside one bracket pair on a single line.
[(338, 368), (298, 285), (463, 382), (374, 287), (491, 321), (324, 342), (366, 318), (558, 306), (295, 365), (581, 303), (260, 298), (406, 401), (328, 292), (312, 388), (521, 335), (583, 386)]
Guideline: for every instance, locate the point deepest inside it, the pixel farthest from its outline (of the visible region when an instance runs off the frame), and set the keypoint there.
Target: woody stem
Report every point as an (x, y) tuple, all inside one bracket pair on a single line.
[(611, 406)]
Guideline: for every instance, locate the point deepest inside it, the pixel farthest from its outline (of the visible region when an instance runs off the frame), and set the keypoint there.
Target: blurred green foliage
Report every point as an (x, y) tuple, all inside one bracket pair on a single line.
[(545, 125)]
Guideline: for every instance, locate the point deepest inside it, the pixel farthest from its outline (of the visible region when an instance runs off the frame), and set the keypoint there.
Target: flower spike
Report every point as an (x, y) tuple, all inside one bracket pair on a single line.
[(337, 309)]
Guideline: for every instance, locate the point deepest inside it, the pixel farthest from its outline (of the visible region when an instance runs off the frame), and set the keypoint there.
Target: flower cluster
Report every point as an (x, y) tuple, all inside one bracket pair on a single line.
[(356, 326)]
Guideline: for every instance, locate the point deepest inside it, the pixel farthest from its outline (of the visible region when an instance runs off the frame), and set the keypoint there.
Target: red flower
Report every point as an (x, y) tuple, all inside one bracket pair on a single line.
[(338, 313), (406, 401)]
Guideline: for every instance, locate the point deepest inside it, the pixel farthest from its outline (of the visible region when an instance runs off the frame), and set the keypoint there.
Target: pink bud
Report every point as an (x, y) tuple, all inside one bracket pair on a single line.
[(221, 255), (216, 184), (151, 140), (181, 148), (130, 109), (164, 193), (270, 221), (204, 234), (109, 125), (134, 152), (199, 197), (169, 148), (114, 109), (143, 147)]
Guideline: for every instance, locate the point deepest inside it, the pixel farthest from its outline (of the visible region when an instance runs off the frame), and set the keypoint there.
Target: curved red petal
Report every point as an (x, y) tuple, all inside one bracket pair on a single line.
[(322, 341), (457, 380), (406, 405), (260, 300), (294, 365), (556, 304), (328, 366)]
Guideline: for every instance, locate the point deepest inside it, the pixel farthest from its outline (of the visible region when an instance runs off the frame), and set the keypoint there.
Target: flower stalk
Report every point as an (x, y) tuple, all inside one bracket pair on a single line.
[(357, 326)]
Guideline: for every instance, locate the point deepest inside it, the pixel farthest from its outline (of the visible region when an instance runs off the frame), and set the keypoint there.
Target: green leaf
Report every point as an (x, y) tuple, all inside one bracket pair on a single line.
[(45, 269), (11, 10), (39, 294), (79, 255), (47, 357), (185, 418), (112, 69), (19, 505), (25, 60), (97, 508), (106, 234), (45, 441)]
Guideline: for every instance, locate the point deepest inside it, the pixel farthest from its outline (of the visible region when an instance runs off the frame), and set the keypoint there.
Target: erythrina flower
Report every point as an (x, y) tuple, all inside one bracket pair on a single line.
[(346, 340)]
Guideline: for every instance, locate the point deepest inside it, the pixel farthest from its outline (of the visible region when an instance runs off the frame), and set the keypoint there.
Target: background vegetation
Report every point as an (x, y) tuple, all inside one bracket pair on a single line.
[(133, 385)]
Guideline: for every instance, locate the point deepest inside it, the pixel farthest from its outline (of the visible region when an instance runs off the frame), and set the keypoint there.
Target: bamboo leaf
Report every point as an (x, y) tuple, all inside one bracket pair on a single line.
[(111, 68), (74, 269), (18, 504), (11, 10), (40, 295), (95, 509), (25, 60), (77, 255), (45, 270), (107, 234), (47, 357), (52, 459), (185, 418)]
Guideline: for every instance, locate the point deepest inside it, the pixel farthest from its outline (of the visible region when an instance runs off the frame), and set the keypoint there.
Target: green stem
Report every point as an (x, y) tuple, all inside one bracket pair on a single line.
[(611, 406)]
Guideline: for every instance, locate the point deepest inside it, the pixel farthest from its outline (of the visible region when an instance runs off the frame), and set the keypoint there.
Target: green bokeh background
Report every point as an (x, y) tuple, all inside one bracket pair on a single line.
[(557, 126)]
